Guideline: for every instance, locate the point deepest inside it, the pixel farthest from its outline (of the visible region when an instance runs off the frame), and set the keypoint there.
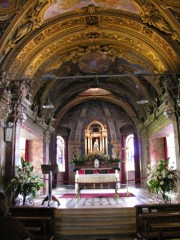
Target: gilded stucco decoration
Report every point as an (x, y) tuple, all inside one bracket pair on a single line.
[(120, 21), (47, 35), (52, 49), (150, 12), (90, 30), (28, 23), (171, 4)]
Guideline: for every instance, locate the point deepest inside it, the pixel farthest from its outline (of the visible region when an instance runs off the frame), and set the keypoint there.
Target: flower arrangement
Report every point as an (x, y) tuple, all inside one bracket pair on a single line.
[(161, 178), (77, 161), (90, 157), (96, 155), (26, 182)]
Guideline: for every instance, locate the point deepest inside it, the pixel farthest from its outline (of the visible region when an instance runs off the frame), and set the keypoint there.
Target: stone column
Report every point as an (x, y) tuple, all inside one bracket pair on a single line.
[(2, 159), (144, 154), (176, 126), (46, 141)]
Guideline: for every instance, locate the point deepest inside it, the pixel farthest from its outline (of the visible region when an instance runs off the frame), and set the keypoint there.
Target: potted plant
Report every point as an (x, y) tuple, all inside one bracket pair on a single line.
[(161, 178), (26, 182)]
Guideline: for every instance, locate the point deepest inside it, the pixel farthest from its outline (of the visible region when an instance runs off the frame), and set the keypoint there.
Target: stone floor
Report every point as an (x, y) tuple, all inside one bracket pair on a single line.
[(141, 196)]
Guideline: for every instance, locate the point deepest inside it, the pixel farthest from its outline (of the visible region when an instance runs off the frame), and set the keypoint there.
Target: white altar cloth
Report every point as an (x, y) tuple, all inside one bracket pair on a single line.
[(95, 179)]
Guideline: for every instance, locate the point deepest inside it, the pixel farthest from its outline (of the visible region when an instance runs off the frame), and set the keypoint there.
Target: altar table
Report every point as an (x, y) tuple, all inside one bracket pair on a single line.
[(97, 178)]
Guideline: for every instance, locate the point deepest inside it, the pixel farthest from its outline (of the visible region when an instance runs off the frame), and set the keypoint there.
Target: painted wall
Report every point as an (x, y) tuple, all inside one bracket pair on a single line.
[(35, 152), (157, 149)]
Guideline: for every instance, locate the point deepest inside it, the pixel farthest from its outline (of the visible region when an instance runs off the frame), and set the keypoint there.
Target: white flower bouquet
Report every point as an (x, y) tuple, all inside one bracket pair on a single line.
[(161, 178), (26, 182)]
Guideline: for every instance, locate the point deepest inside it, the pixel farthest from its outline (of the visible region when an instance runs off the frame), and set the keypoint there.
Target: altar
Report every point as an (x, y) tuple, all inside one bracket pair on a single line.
[(86, 178), (96, 169)]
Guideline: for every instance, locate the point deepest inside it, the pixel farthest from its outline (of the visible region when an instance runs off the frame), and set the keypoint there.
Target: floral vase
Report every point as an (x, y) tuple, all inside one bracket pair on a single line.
[(165, 198), (24, 200)]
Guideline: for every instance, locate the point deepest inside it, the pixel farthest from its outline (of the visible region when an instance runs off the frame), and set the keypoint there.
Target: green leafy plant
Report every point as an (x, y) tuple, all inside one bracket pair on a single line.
[(90, 157), (96, 155), (161, 178), (78, 161), (26, 182), (115, 160)]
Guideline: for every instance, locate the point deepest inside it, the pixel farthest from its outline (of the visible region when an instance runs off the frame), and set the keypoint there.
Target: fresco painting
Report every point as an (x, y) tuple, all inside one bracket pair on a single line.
[(63, 6), (94, 62)]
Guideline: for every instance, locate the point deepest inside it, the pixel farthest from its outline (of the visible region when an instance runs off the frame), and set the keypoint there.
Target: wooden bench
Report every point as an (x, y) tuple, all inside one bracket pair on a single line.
[(38, 221), (158, 221), (160, 227), (32, 230)]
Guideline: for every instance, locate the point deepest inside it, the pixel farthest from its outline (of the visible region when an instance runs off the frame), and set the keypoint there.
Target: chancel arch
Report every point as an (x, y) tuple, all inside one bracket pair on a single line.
[(95, 135)]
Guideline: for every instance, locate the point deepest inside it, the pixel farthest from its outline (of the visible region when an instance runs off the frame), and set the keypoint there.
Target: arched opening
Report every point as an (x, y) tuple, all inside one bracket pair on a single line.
[(60, 156), (96, 138), (130, 152)]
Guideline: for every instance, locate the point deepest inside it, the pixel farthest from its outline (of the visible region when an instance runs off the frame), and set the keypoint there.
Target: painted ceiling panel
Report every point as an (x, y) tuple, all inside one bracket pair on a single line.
[(63, 6)]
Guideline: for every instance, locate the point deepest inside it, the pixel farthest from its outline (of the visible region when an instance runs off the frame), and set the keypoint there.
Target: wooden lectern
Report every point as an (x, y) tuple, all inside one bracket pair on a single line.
[(49, 169)]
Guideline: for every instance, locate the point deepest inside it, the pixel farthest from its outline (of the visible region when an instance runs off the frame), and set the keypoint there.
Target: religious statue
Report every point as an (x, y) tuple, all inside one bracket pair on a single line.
[(96, 145), (75, 152)]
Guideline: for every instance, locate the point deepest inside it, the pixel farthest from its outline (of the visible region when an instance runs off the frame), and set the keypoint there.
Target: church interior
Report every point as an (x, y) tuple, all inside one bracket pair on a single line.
[(90, 89)]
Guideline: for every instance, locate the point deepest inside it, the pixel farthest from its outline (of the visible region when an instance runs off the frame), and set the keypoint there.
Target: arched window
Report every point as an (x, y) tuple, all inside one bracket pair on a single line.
[(171, 150), (130, 152), (60, 153)]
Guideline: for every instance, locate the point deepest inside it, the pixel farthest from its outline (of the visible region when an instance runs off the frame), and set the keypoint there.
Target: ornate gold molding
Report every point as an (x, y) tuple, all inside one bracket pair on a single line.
[(81, 38), (114, 30), (152, 14)]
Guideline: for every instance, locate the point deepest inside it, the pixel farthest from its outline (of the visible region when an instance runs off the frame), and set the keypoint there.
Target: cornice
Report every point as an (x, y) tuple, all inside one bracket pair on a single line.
[(35, 128), (157, 123)]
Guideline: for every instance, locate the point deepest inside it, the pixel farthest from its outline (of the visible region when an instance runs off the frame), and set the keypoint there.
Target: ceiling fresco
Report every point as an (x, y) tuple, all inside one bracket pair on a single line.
[(63, 6), (94, 63)]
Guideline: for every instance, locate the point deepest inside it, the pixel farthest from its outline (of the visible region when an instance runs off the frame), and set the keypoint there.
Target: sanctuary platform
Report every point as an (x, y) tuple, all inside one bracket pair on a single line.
[(98, 217)]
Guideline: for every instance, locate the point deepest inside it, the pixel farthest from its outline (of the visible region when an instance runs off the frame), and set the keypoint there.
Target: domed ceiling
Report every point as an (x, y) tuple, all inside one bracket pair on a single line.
[(67, 49)]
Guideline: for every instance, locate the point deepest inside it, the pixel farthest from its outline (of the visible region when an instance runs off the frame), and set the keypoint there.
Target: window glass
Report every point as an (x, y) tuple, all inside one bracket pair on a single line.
[(60, 153), (171, 150), (130, 152)]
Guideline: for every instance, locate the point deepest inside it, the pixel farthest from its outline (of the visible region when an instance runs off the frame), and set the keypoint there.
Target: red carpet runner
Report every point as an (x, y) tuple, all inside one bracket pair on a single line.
[(96, 195)]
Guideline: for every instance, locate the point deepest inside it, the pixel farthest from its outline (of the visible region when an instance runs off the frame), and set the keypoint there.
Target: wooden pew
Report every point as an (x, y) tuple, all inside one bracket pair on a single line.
[(160, 227), (33, 229), (158, 221), (39, 222)]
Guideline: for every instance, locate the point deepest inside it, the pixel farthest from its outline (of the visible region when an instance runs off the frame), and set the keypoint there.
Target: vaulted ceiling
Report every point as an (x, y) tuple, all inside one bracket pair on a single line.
[(73, 51)]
